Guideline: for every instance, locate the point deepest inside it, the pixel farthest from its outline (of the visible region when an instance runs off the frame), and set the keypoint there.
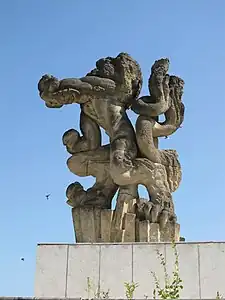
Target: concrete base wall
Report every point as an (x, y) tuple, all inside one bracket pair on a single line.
[(63, 270), (30, 298)]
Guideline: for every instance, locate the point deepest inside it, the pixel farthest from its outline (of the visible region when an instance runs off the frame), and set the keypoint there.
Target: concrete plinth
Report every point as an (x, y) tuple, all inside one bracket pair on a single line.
[(32, 298), (83, 270)]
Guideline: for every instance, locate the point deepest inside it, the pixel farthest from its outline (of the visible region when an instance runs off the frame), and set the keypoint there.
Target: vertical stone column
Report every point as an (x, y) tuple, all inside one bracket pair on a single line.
[(171, 232), (95, 225), (106, 223), (149, 232), (87, 224), (129, 227), (77, 224)]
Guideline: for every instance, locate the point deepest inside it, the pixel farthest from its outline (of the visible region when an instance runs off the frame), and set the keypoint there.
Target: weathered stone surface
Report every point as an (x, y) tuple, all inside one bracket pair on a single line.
[(106, 222), (94, 225), (144, 231), (77, 224), (129, 226), (154, 235), (132, 157), (170, 233), (88, 224), (149, 232)]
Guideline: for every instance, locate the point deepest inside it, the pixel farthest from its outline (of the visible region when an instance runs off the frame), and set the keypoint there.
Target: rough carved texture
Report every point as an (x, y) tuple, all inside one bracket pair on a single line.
[(132, 157), (102, 225)]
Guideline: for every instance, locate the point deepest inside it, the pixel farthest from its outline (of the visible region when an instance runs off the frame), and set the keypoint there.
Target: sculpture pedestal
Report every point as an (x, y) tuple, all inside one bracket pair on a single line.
[(83, 270), (93, 225)]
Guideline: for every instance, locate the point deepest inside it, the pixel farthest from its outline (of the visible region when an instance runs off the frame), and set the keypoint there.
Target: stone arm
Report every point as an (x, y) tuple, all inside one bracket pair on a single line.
[(165, 98), (118, 76), (57, 93), (90, 139), (159, 100), (88, 85), (174, 116)]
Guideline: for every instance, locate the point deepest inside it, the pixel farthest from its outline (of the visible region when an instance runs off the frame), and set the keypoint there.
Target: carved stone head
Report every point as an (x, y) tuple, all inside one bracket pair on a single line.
[(122, 69), (49, 84)]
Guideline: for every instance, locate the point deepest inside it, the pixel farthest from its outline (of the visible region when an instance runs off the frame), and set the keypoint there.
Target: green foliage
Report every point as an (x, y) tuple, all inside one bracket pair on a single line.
[(171, 289), (130, 289), (94, 292), (172, 286), (89, 287), (218, 296)]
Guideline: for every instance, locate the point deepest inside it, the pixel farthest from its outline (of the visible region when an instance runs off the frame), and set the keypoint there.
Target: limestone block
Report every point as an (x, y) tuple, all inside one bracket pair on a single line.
[(93, 225), (77, 224), (171, 232), (154, 234), (137, 235), (87, 224), (121, 209), (149, 232), (118, 216), (117, 235), (129, 227), (97, 224), (106, 220), (177, 232), (144, 231)]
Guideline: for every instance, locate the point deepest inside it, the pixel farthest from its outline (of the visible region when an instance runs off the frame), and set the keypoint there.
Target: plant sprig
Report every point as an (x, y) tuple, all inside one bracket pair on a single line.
[(130, 289), (172, 286)]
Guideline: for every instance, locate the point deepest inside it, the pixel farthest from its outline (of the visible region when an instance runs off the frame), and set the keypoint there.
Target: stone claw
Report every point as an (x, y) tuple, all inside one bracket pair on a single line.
[(155, 211), (163, 218)]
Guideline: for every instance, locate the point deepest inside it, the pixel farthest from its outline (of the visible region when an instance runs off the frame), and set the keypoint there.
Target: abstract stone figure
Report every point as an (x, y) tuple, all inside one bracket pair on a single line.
[(132, 157)]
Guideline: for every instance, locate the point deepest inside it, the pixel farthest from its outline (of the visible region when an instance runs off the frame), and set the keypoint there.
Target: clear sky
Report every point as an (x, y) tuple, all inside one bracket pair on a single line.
[(65, 38)]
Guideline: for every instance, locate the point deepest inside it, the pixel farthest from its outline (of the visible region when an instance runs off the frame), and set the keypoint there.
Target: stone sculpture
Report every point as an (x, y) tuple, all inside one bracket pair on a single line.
[(131, 158)]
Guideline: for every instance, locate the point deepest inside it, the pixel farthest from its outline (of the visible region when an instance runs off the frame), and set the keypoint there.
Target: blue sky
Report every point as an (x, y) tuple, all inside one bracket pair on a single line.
[(65, 38)]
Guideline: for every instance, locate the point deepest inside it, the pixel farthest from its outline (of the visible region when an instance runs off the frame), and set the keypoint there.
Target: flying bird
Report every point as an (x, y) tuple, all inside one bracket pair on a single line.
[(47, 196), (22, 258)]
